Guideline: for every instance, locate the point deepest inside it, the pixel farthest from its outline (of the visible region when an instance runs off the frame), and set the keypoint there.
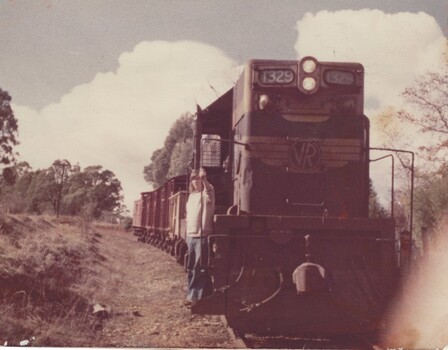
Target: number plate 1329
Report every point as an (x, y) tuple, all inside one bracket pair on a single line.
[(276, 76)]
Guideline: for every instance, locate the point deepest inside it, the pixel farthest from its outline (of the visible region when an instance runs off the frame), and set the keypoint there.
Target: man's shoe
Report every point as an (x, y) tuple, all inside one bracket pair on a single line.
[(189, 304)]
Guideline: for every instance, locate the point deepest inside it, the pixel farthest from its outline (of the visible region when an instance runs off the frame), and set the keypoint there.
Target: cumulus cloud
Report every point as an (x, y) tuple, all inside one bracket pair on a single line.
[(394, 48), (119, 118)]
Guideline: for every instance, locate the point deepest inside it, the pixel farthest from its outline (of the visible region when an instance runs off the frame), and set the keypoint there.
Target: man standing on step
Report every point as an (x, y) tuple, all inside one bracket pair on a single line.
[(200, 209)]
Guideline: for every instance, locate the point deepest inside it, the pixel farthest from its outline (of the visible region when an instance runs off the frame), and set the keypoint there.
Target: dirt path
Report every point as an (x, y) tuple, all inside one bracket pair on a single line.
[(146, 296)]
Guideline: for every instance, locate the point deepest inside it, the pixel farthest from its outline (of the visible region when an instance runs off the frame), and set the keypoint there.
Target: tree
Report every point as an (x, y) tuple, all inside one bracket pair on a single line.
[(60, 169), (22, 168), (173, 158), (94, 190), (43, 191), (431, 201), (62, 188), (427, 108), (180, 158), (156, 172), (12, 192), (376, 210), (8, 129), (9, 176)]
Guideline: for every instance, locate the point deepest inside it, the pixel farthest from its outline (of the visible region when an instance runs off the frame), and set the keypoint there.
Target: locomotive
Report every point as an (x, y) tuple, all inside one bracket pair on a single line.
[(293, 249)]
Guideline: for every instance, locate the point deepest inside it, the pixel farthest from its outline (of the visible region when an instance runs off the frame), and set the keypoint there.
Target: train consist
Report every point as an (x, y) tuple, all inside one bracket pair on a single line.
[(293, 249)]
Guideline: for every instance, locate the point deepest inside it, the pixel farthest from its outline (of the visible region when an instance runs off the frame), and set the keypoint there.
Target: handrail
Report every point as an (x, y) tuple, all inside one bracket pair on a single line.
[(246, 145), (392, 181), (412, 182), (322, 204)]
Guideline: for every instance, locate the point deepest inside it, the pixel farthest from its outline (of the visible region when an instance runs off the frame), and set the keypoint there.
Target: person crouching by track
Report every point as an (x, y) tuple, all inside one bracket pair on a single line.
[(200, 209)]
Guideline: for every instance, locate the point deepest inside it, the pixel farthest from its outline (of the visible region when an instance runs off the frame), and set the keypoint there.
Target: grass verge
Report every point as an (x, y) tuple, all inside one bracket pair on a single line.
[(50, 275)]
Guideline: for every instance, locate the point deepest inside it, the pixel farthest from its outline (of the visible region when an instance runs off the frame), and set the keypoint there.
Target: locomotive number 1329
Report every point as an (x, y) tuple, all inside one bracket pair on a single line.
[(276, 76)]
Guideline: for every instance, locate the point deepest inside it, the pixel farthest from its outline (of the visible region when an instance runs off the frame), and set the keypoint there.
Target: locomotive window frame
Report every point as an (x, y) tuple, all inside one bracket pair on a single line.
[(211, 152)]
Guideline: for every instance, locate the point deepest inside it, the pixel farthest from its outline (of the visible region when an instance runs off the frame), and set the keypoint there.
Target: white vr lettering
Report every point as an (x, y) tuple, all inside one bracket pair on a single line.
[(305, 155)]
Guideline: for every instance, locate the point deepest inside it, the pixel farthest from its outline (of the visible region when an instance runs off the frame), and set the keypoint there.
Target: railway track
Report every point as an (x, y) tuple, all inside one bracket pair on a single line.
[(282, 342), (253, 341)]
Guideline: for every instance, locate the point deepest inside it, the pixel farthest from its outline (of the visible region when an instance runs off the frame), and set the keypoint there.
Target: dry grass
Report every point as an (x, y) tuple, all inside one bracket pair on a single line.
[(50, 275)]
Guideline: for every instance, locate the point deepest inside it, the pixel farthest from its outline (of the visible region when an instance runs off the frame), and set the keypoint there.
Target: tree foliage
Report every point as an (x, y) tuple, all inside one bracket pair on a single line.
[(8, 129), (376, 210), (180, 158), (60, 170), (173, 158), (62, 187), (95, 189), (427, 108), (431, 202)]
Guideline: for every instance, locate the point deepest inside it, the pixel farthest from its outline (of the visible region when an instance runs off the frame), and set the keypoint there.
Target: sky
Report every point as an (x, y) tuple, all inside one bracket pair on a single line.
[(101, 82)]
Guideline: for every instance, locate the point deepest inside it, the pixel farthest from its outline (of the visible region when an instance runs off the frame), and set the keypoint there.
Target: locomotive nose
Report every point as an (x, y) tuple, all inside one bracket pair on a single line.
[(310, 277)]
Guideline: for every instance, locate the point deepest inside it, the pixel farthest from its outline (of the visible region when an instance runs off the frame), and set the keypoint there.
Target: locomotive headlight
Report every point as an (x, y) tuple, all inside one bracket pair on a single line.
[(263, 101), (309, 83), (309, 65), (309, 75)]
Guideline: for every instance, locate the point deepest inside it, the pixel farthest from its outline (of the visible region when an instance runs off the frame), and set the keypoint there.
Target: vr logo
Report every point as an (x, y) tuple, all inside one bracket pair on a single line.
[(305, 156)]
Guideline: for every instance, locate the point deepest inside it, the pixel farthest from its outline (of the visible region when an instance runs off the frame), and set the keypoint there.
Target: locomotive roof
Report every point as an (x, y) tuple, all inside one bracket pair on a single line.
[(221, 105), (217, 116)]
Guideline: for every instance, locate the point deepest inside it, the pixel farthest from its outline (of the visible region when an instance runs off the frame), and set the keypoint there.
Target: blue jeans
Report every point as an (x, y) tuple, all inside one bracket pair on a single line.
[(199, 281)]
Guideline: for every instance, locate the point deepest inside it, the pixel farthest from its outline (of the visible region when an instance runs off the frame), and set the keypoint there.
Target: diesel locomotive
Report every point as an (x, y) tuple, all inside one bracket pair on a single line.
[(293, 249)]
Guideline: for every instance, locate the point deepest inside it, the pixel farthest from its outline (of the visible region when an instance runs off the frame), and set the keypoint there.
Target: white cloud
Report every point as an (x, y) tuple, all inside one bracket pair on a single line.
[(394, 48), (119, 118)]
